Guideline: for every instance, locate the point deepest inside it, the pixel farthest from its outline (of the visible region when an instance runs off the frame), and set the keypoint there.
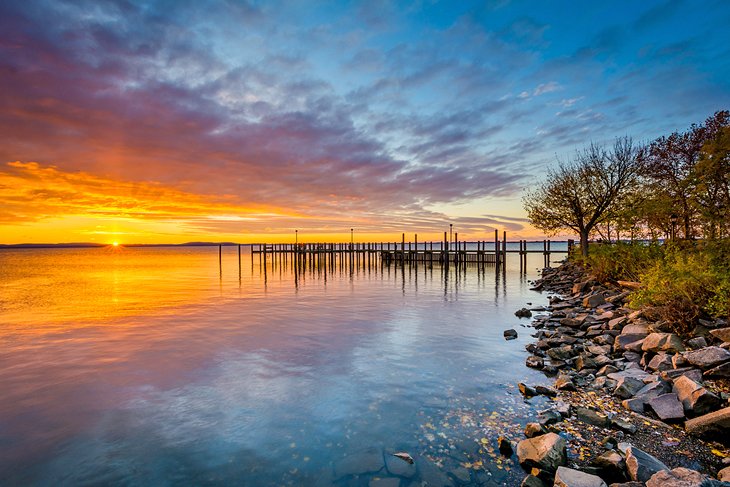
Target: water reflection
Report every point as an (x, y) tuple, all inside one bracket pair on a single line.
[(166, 366)]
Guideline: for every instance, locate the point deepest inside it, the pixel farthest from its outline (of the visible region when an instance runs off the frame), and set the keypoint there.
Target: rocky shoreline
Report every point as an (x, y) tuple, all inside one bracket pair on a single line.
[(632, 403)]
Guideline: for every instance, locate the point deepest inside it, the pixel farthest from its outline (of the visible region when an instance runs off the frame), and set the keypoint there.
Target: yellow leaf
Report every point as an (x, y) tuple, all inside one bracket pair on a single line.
[(719, 453)]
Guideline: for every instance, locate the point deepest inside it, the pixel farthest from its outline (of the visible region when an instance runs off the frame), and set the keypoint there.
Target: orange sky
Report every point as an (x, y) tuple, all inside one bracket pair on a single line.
[(41, 203)]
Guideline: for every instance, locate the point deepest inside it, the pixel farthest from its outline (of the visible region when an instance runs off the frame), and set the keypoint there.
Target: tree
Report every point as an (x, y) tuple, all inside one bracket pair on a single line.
[(712, 184), (669, 164), (581, 194)]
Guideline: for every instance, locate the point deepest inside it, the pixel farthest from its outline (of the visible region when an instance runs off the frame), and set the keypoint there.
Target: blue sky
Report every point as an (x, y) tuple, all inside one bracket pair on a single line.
[(391, 116)]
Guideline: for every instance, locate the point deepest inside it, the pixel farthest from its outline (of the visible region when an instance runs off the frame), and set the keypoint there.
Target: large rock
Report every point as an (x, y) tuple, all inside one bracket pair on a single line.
[(623, 341), (661, 362), (667, 407), (710, 425), (591, 417), (546, 452), (724, 474), (708, 357), (694, 398), (532, 481), (679, 477), (720, 372), (628, 386), (723, 334), (662, 342), (641, 466), (611, 466), (593, 301), (568, 477)]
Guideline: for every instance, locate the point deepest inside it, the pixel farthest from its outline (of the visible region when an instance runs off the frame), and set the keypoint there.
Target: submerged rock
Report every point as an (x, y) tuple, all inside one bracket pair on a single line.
[(510, 334), (523, 313), (360, 463)]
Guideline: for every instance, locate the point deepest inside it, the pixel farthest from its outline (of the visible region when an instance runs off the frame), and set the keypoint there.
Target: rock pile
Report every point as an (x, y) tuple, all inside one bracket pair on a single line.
[(590, 340)]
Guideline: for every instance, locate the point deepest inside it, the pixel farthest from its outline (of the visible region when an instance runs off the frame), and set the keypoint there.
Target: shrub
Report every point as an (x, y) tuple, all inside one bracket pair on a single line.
[(621, 260)]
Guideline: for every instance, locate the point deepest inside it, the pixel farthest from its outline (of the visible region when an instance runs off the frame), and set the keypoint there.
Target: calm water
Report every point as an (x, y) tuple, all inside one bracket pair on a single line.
[(146, 366)]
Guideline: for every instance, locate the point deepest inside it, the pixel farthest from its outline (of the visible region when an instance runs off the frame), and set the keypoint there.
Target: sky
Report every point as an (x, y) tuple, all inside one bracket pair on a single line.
[(176, 121)]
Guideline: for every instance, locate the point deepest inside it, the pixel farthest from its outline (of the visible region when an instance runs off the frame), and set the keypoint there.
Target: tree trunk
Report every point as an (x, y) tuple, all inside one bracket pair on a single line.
[(584, 243)]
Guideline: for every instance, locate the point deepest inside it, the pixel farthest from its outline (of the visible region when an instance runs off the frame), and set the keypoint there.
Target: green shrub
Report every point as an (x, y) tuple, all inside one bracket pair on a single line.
[(690, 281), (624, 261)]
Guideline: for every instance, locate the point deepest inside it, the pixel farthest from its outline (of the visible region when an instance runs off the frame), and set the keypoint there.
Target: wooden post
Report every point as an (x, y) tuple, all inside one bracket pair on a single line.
[(239, 261), (504, 249), (220, 258), (403, 249), (496, 247)]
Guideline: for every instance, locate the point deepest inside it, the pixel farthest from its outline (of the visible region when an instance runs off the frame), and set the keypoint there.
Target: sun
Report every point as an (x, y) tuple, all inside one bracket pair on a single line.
[(115, 244)]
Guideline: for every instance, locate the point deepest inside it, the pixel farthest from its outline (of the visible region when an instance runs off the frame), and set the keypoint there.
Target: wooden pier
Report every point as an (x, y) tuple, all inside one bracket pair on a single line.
[(455, 252)]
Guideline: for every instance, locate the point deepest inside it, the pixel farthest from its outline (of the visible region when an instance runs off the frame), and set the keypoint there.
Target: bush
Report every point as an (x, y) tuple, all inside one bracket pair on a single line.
[(690, 281), (621, 261)]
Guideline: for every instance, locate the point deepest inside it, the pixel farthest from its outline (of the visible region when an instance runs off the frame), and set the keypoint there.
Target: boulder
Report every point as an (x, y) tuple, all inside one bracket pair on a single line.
[(623, 341), (627, 387), (667, 407), (662, 342), (695, 399), (661, 362), (510, 334), (679, 477), (532, 481), (641, 466), (564, 383), (697, 342), (635, 329), (535, 362), (724, 474), (708, 357), (548, 417), (505, 446), (546, 452), (720, 372), (591, 417), (523, 313), (722, 334), (546, 391), (611, 465), (593, 301), (561, 353), (534, 429), (568, 477), (710, 425), (584, 361), (526, 390)]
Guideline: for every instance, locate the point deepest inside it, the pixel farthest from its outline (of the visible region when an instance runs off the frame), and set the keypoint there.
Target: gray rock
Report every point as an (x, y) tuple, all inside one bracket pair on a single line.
[(641, 466), (691, 372), (667, 407), (628, 386), (359, 463), (532, 481), (661, 361), (616, 323), (697, 342), (510, 334), (712, 425), (564, 383), (607, 369), (561, 353), (635, 329), (634, 404), (535, 362), (708, 357), (584, 361), (591, 417), (720, 372), (624, 426), (546, 391), (662, 342), (546, 452), (722, 334), (611, 466), (397, 466), (523, 313), (652, 390), (593, 301), (568, 477), (549, 417), (622, 341), (694, 398), (679, 477)]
